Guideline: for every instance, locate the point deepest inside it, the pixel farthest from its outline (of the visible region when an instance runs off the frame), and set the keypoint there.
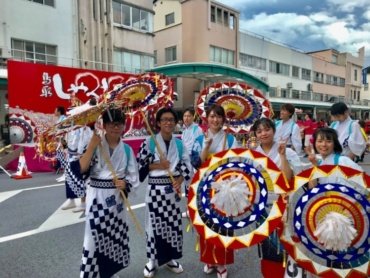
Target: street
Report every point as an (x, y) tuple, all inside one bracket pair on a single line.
[(38, 239)]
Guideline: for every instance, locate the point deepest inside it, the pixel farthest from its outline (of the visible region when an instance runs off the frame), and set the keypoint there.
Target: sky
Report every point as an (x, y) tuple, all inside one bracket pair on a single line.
[(309, 25)]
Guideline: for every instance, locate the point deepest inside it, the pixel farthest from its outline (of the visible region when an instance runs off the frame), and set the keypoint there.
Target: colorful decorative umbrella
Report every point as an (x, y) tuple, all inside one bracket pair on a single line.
[(340, 190), (258, 177), (143, 93), (22, 128), (243, 104)]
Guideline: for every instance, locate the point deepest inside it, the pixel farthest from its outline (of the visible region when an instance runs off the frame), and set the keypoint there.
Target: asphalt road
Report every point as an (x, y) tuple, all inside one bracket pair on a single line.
[(37, 239)]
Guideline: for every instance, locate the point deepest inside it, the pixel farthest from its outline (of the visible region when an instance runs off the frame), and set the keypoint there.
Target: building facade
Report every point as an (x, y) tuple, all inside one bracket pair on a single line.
[(116, 35), (311, 81), (208, 35)]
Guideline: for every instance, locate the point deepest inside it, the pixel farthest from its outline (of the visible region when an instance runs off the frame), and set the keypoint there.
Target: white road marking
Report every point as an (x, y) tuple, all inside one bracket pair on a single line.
[(60, 218), (8, 194)]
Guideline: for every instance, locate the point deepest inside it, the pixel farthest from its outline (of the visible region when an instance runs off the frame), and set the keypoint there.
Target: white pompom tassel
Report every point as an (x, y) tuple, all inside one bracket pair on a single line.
[(335, 232), (231, 196)]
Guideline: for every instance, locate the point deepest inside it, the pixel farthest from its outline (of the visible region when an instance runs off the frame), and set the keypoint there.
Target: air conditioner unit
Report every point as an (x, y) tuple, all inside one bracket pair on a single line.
[(3, 62), (309, 87), (289, 85)]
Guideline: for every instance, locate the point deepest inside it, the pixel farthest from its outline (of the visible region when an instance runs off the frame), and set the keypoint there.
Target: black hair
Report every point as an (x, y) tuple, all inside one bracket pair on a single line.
[(328, 134), (288, 107), (338, 108), (113, 115), (309, 115), (92, 101), (61, 110), (190, 110), (265, 122), (161, 111), (362, 123), (218, 110)]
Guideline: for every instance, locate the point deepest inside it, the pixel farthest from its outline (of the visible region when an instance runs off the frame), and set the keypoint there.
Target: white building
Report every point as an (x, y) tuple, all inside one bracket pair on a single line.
[(40, 31)]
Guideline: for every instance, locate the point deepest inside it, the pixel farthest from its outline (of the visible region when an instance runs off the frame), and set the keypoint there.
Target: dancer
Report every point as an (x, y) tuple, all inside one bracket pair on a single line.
[(105, 248), (190, 132), (349, 132), (287, 129), (165, 159), (77, 141), (287, 160), (215, 140), (326, 144)]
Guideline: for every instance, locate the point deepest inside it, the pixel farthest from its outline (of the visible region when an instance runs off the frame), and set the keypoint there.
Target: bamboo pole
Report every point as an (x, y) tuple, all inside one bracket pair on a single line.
[(125, 200)]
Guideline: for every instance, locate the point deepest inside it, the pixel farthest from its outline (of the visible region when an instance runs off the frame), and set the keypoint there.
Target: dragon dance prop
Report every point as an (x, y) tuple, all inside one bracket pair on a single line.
[(145, 93), (243, 104), (327, 230), (229, 196)]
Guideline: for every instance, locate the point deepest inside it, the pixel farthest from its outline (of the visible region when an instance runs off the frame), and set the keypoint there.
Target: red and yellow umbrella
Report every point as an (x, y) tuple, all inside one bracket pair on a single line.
[(340, 190), (258, 177)]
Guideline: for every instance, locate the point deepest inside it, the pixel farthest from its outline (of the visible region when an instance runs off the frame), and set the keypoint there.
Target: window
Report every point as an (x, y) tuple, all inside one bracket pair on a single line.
[(213, 14), (284, 93), (319, 77), (170, 18), (334, 59), (117, 13), (342, 82), (95, 12), (328, 79), (221, 55), (219, 15), (34, 52), (252, 61), (132, 17), (170, 53), (295, 71), (306, 74), (222, 16), (279, 68), (226, 18), (272, 92), (306, 95), (101, 9), (44, 2), (126, 15), (355, 74), (107, 10), (335, 81), (155, 57), (232, 21), (295, 94), (125, 61), (96, 58)]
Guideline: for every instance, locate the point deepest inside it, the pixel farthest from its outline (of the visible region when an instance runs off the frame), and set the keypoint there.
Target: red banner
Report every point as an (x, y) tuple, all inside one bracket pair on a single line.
[(41, 88)]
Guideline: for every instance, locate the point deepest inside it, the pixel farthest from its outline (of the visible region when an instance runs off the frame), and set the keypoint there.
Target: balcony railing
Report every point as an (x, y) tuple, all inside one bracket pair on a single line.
[(312, 96), (63, 61)]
